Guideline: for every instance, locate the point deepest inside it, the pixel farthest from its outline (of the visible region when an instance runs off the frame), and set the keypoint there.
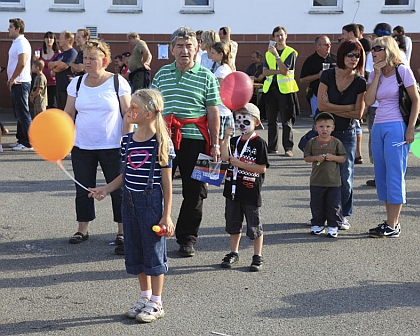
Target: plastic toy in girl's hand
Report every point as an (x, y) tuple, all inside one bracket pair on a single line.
[(52, 134), (159, 229)]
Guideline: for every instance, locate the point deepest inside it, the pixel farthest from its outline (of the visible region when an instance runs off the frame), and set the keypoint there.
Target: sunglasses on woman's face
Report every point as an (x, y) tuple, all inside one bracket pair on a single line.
[(351, 55), (377, 48)]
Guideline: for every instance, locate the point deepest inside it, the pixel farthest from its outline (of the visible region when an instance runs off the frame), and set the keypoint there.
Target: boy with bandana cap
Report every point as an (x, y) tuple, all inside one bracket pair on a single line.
[(248, 160)]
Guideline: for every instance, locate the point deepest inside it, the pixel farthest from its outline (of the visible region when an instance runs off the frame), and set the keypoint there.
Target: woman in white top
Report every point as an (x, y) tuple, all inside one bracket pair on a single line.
[(220, 54), (99, 117), (209, 37)]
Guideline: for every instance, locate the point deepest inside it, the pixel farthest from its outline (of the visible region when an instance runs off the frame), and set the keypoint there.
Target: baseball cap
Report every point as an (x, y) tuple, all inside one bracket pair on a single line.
[(382, 29), (325, 116), (250, 109), (126, 53)]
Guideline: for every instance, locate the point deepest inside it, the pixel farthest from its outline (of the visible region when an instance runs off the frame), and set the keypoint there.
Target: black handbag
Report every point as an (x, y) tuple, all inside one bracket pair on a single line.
[(405, 100)]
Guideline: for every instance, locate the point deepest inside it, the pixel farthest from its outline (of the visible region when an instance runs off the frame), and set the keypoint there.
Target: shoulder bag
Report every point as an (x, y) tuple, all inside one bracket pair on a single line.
[(404, 100)]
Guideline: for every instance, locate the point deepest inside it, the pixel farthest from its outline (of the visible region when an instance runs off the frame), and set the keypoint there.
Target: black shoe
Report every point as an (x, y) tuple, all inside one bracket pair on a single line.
[(229, 259), (186, 250), (119, 250), (119, 240), (257, 262), (385, 231), (371, 183), (272, 151), (79, 237)]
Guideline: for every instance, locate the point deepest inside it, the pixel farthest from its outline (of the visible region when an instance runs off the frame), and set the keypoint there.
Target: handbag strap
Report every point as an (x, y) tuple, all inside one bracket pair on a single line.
[(397, 73)]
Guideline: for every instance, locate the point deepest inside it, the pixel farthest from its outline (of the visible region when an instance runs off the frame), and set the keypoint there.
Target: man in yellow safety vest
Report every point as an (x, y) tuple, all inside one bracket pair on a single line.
[(280, 88)]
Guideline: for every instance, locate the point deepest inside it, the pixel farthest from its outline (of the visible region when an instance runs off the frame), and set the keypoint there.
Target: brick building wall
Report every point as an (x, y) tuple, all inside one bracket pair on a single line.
[(303, 43)]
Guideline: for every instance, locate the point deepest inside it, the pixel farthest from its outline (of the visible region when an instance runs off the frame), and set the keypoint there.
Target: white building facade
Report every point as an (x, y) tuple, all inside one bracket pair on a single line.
[(251, 22)]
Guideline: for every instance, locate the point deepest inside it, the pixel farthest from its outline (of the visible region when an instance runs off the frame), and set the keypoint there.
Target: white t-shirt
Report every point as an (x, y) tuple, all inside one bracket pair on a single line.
[(20, 45), (221, 72), (409, 48), (99, 123)]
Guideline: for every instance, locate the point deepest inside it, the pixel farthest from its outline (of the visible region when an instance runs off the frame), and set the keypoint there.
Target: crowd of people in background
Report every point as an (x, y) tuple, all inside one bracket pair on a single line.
[(362, 74)]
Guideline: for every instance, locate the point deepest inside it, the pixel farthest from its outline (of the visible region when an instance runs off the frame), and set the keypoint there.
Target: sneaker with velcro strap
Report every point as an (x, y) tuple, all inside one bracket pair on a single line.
[(151, 312), (229, 259), (137, 307)]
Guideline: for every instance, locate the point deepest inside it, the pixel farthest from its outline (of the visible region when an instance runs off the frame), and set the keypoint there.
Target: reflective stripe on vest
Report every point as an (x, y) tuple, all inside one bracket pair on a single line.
[(287, 84)]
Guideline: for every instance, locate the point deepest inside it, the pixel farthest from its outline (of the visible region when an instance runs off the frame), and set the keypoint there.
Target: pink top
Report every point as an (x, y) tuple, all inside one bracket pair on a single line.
[(388, 96), (46, 71)]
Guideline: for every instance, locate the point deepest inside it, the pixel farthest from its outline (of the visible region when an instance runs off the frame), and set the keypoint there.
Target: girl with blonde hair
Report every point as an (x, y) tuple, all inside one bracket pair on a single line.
[(146, 182)]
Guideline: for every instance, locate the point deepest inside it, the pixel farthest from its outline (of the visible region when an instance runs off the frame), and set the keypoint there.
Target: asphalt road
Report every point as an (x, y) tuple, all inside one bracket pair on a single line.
[(353, 285)]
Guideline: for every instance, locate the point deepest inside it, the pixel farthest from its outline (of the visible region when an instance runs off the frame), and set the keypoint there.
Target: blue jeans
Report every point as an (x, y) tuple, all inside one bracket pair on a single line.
[(85, 166), (348, 138), (314, 105), (144, 250), (20, 95)]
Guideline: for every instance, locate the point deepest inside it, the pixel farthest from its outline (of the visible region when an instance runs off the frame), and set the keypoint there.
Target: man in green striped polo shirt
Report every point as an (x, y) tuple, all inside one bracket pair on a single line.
[(191, 94)]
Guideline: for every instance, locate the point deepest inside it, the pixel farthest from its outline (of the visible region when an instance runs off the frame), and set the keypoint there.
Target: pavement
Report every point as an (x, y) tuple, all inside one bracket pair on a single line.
[(309, 285)]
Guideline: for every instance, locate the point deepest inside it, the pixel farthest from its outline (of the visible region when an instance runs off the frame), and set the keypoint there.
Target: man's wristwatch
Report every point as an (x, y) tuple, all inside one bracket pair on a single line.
[(216, 146), (277, 58)]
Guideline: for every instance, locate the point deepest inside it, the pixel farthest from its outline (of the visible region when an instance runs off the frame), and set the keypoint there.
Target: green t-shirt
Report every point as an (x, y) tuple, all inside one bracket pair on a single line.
[(326, 174), (187, 95)]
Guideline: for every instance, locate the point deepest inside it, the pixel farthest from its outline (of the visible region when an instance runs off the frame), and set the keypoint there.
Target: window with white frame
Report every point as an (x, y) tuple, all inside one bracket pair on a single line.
[(326, 7), (125, 6), (67, 5), (398, 6), (17, 5), (197, 6)]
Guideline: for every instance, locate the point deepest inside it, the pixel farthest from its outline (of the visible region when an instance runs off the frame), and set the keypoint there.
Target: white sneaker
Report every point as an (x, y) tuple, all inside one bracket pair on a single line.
[(151, 312), (345, 225), (1, 149), (13, 144), (137, 307), (21, 147), (317, 230), (332, 232)]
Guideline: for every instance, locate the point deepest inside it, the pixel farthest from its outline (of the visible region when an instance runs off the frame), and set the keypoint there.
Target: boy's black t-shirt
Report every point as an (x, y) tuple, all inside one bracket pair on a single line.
[(248, 184)]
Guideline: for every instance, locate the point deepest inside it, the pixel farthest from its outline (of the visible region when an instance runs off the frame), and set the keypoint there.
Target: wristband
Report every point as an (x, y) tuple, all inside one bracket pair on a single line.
[(216, 146), (277, 58)]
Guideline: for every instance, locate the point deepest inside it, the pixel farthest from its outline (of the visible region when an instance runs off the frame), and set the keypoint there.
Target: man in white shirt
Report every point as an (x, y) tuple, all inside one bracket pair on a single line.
[(399, 30), (19, 81)]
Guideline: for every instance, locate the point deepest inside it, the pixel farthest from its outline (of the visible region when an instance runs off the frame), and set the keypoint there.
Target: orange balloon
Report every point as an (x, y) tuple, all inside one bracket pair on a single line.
[(52, 134)]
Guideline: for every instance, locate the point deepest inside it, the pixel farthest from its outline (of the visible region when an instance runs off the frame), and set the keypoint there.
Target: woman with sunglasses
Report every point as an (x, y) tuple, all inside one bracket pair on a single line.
[(341, 92), (100, 124), (390, 135)]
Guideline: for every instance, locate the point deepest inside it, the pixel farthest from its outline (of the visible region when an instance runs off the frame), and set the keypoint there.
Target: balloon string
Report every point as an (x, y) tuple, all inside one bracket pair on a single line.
[(68, 174)]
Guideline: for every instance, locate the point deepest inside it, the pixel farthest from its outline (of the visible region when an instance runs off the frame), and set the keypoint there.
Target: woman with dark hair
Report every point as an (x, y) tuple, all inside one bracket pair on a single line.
[(389, 129), (341, 92), (48, 52)]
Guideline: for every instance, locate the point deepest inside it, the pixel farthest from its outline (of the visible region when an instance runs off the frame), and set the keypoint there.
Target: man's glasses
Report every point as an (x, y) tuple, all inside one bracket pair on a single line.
[(96, 45), (377, 48), (325, 45), (351, 55)]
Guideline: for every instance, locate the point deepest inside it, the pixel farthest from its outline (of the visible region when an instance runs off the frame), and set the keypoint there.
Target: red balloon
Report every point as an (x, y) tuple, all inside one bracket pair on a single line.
[(236, 90)]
